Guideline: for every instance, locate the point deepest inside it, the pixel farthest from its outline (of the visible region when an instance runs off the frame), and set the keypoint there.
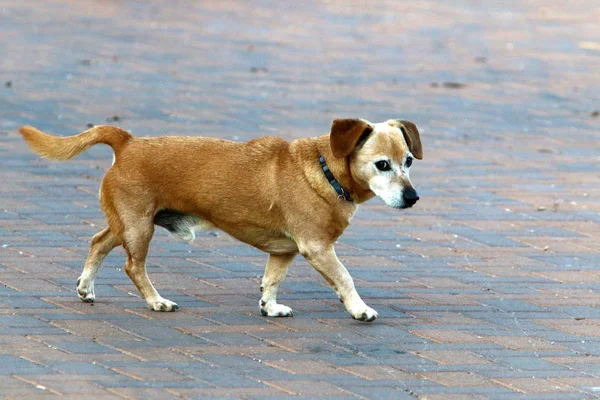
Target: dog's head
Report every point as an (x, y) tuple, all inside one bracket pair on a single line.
[(380, 156)]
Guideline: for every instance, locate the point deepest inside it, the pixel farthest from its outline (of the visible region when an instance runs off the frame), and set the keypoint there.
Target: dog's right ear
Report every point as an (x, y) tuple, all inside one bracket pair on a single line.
[(346, 133)]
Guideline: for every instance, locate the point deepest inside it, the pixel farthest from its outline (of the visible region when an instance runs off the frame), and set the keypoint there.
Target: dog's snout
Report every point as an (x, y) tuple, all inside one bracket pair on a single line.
[(410, 197)]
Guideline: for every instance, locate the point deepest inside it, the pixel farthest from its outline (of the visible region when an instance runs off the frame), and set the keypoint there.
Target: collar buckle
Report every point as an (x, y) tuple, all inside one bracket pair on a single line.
[(342, 194)]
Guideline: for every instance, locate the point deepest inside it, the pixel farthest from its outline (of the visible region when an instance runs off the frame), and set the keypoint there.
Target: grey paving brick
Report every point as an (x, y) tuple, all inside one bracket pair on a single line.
[(11, 364), (481, 264), (383, 393)]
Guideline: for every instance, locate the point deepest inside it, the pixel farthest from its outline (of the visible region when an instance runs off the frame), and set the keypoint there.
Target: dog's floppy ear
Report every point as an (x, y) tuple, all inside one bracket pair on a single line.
[(346, 133), (411, 135)]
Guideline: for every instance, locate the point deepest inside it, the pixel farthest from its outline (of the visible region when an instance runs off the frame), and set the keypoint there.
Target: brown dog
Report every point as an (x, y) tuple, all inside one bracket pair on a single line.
[(282, 198)]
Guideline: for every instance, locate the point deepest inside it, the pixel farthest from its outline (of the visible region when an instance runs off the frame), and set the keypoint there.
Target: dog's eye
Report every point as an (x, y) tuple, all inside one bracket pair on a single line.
[(408, 162), (383, 165)]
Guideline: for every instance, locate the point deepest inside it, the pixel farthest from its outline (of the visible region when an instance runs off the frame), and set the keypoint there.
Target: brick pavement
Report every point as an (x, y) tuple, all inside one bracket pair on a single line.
[(488, 289)]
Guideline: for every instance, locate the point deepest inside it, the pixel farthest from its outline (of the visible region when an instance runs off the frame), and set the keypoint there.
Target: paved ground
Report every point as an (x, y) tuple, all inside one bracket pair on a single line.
[(489, 288)]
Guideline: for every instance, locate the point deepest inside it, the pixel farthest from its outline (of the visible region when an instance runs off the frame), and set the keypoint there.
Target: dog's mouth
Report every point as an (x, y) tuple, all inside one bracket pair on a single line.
[(402, 206), (404, 203)]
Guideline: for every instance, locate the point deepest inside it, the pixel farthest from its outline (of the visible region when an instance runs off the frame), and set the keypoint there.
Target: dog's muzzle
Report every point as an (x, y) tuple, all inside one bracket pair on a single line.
[(409, 197)]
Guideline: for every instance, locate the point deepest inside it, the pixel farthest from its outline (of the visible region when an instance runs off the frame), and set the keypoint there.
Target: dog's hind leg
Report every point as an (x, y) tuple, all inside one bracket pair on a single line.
[(102, 243), (136, 240), (275, 271)]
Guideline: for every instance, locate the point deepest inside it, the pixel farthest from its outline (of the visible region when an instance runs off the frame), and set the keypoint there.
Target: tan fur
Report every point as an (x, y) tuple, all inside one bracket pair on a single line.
[(268, 193), (58, 148)]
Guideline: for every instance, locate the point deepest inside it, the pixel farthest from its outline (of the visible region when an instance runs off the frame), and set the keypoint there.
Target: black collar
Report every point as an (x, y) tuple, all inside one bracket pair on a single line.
[(336, 185)]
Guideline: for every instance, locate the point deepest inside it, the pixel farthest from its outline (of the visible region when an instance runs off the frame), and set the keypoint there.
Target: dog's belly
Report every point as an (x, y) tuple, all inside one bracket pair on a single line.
[(279, 246), (183, 226), (265, 240)]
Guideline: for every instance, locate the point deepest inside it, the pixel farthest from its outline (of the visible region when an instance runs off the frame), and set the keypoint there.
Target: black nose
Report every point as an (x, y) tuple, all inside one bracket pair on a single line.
[(410, 197)]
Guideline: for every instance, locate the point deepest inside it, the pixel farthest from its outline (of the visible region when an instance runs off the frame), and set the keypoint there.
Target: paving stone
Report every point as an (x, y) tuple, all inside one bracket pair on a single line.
[(492, 279)]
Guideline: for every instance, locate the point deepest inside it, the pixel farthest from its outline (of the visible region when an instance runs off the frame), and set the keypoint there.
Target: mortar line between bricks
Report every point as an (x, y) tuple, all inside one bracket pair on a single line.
[(207, 266), (140, 358), (121, 395), (274, 321), (139, 314), (53, 323), (352, 393), (38, 363), (205, 298), (288, 349), (507, 385), (59, 305), (273, 385), (260, 339), (596, 395), (41, 341), (37, 385), (12, 287), (68, 288), (350, 351), (524, 331), (125, 373), (331, 323), (195, 358)]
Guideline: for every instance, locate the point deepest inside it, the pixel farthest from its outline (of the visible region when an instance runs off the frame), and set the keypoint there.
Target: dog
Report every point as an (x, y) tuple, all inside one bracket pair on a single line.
[(281, 197)]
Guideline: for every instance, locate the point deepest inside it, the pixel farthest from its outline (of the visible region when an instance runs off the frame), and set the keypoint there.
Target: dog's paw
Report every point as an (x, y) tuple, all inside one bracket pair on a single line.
[(164, 305), (275, 310), (367, 315), (85, 290)]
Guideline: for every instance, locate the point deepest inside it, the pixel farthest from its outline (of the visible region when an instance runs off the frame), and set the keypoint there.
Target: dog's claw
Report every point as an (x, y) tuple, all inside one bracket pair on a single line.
[(163, 305), (367, 316)]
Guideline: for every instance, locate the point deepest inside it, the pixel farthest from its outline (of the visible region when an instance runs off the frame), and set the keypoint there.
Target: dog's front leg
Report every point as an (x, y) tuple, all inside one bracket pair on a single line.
[(275, 271), (323, 258)]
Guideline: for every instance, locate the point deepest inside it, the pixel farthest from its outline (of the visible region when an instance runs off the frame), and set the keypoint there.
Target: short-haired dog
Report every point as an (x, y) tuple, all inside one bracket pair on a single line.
[(281, 197)]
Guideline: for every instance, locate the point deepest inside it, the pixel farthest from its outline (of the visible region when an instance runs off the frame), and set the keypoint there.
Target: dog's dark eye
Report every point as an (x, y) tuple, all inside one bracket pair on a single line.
[(408, 162), (383, 165)]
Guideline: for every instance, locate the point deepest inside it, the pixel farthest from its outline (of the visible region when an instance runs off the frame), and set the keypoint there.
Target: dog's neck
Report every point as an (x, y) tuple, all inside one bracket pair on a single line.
[(340, 168)]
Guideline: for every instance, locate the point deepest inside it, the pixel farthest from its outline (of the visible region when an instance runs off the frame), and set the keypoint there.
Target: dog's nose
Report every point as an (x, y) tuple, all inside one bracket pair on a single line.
[(410, 197)]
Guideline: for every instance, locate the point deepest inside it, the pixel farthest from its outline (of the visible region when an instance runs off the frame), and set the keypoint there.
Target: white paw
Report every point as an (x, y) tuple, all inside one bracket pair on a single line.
[(367, 314), (85, 290), (275, 310), (161, 304)]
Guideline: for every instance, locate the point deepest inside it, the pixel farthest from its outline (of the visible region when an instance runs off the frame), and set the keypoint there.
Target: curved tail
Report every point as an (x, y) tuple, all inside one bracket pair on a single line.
[(65, 148)]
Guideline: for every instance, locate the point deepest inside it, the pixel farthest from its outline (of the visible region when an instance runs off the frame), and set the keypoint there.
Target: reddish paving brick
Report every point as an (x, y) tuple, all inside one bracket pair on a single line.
[(490, 280), (525, 343), (307, 388), (454, 379), (452, 357), (443, 396), (378, 372), (262, 392), (304, 367), (534, 385), (450, 336), (144, 393)]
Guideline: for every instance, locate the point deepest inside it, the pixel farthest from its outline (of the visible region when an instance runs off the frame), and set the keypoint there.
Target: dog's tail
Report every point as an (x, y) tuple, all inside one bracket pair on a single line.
[(65, 148)]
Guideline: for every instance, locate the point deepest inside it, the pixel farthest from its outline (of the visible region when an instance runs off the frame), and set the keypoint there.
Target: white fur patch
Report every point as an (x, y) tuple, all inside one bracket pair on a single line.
[(187, 228)]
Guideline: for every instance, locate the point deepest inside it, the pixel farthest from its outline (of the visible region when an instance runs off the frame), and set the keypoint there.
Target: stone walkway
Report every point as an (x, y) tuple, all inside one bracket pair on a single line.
[(488, 289)]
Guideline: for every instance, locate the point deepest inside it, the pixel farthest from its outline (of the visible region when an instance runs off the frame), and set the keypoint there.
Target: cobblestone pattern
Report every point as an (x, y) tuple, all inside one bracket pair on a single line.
[(488, 289)]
